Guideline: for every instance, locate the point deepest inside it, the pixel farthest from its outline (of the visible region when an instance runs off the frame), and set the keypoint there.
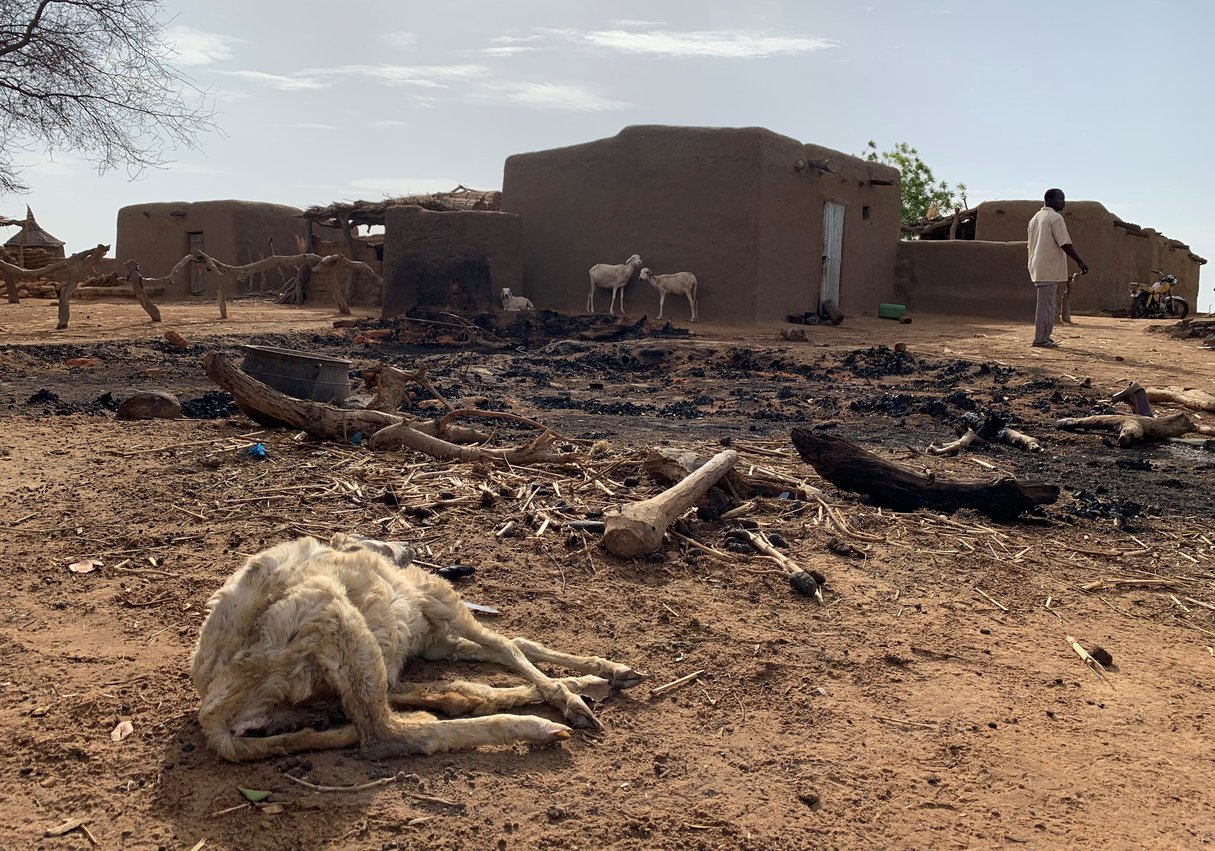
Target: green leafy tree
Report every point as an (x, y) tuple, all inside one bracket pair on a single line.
[(923, 196)]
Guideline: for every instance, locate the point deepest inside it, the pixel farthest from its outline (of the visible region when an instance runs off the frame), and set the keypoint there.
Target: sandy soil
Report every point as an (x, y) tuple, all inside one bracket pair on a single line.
[(907, 711)]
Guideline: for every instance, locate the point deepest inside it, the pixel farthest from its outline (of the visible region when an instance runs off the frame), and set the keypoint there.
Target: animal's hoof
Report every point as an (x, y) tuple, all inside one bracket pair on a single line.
[(597, 691), (629, 678), (561, 733), (579, 715)]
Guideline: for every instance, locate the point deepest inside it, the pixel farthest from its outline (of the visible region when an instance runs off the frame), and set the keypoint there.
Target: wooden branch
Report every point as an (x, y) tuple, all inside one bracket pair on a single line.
[(636, 529), (135, 277), (891, 485), (800, 579), (672, 465), (406, 436), (1132, 427), (1195, 400), (72, 263), (319, 420), (77, 271)]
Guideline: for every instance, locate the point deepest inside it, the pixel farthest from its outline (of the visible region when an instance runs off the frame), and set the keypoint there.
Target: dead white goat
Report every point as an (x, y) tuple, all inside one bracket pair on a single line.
[(615, 278), (511, 301), (306, 620), (676, 283)]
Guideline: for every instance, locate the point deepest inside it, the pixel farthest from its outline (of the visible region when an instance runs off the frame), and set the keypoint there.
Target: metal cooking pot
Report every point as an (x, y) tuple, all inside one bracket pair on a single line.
[(299, 374)]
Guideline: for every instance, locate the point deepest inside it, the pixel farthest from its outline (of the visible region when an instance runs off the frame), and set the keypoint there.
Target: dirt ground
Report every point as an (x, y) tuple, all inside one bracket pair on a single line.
[(908, 710)]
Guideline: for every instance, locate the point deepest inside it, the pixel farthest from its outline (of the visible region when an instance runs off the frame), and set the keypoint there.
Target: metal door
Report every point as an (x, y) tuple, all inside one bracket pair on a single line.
[(833, 252), (196, 271)]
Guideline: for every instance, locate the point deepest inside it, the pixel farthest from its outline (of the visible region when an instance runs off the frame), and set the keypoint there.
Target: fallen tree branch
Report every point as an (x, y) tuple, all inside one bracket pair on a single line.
[(1132, 427), (406, 436), (854, 469), (321, 421)]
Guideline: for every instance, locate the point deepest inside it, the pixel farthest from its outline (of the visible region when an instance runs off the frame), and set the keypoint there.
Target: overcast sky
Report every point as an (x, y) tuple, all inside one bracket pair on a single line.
[(320, 101)]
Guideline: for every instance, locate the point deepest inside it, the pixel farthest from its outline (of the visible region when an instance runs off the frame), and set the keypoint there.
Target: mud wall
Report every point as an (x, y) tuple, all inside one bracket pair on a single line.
[(1116, 254), (458, 260), (234, 232), (729, 205), (965, 278)]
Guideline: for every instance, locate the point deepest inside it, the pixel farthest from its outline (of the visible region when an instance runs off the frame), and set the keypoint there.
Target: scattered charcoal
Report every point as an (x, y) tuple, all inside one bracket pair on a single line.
[(1099, 653), (594, 526), (631, 482), (777, 540), (1133, 463), (708, 513), (456, 571), (212, 405), (43, 397), (736, 546), (843, 548), (656, 557)]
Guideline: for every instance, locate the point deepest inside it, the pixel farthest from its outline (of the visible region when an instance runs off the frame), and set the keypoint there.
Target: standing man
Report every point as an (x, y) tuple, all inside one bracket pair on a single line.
[(1049, 247)]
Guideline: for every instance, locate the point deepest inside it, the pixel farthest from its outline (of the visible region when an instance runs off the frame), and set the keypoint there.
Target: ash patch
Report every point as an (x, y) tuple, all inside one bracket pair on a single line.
[(212, 405), (878, 362)]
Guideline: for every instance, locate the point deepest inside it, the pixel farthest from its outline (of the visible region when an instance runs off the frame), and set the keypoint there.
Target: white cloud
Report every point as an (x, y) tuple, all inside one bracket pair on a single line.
[(400, 38), (728, 44), (403, 185), (424, 76), (509, 50), (196, 47), (286, 83), (387, 123), (514, 39), (633, 23), (551, 96)]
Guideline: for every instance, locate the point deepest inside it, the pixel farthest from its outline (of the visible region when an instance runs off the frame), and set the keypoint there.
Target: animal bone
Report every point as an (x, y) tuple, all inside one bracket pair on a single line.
[(636, 529)]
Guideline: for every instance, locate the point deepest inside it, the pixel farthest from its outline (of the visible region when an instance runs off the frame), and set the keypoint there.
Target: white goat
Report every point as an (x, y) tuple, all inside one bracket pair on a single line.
[(511, 301), (614, 278), (306, 619), (676, 283)]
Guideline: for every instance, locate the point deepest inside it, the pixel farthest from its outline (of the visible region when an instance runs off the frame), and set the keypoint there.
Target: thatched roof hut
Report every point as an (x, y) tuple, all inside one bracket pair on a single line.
[(32, 246)]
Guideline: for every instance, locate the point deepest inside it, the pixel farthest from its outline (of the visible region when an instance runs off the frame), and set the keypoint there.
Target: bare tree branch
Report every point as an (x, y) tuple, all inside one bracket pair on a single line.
[(93, 77)]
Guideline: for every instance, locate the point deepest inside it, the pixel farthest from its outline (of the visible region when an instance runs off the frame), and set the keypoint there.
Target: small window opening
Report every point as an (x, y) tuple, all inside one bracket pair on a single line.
[(865, 212)]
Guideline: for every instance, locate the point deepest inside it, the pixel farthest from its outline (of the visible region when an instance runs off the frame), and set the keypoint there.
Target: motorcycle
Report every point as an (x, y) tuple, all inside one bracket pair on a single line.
[(1156, 300)]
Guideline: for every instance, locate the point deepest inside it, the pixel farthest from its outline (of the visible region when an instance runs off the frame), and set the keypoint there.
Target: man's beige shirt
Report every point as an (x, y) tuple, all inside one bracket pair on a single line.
[(1047, 236)]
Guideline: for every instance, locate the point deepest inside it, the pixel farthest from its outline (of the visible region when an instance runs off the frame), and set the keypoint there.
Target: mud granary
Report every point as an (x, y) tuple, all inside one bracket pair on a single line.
[(235, 232), (768, 225), (975, 263)]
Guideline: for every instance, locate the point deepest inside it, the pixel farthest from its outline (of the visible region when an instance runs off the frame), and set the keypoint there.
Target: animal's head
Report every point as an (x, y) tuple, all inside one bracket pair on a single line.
[(507, 295), (647, 275), (635, 261)]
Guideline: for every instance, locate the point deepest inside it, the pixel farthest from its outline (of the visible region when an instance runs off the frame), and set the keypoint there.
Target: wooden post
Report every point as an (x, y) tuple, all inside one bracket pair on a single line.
[(10, 284), (346, 231), (305, 274), (135, 277)]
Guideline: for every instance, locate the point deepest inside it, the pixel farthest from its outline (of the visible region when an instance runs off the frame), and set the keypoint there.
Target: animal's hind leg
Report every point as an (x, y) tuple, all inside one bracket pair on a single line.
[(692, 305), (464, 698), (463, 650), (618, 675)]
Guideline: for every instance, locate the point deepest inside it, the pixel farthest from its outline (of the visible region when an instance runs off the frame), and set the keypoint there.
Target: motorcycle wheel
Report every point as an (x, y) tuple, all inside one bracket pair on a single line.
[(1137, 307), (1177, 307)]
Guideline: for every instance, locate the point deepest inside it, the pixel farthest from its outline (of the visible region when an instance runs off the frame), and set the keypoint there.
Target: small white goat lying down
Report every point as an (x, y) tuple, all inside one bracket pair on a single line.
[(676, 283), (614, 278), (305, 620), (510, 301)]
